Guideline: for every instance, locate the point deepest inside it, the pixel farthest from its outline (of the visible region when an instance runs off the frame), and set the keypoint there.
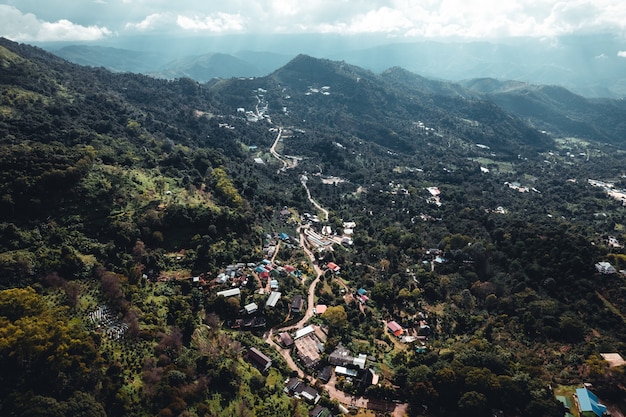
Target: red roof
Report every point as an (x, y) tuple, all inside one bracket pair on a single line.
[(289, 268), (265, 275), (333, 266), (395, 328)]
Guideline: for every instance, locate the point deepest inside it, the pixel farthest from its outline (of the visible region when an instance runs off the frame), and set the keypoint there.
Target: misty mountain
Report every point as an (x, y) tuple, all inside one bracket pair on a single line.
[(556, 109), (113, 59), (587, 65), (171, 63)]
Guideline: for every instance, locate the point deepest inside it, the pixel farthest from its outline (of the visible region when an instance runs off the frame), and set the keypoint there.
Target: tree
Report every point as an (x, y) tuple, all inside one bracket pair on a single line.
[(473, 403), (336, 317)]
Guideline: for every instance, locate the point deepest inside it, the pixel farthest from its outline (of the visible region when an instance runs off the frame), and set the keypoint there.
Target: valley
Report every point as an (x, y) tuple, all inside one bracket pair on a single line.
[(322, 239)]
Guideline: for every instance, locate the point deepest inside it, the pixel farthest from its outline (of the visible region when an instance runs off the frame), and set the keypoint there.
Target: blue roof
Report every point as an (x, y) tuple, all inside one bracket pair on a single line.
[(284, 236), (588, 401), (362, 291), (259, 269)]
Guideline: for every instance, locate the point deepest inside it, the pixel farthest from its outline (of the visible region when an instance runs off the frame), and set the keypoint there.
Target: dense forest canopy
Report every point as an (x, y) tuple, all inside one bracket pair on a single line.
[(478, 222)]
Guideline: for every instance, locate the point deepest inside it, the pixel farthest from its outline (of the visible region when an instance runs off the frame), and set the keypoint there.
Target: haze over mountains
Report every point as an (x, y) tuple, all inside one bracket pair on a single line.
[(590, 65)]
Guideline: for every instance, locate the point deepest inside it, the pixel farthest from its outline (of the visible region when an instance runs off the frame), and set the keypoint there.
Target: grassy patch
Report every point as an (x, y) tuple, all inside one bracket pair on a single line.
[(611, 306), (499, 166)]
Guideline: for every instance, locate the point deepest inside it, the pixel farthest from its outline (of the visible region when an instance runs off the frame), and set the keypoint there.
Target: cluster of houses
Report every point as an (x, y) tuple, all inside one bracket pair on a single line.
[(107, 322), (293, 386), (236, 276), (324, 239), (609, 188)]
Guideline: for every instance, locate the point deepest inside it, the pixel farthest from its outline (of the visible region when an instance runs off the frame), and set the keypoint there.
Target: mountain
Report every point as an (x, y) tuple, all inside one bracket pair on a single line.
[(142, 218), (588, 65), (172, 63), (114, 59), (386, 107), (557, 110)]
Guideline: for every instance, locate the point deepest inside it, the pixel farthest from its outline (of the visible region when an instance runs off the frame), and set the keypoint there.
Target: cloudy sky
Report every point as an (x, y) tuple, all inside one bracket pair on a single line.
[(76, 20)]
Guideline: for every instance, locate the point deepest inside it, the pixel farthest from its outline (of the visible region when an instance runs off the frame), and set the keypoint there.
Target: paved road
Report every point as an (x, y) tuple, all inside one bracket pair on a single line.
[(315, 203), (399, 410)]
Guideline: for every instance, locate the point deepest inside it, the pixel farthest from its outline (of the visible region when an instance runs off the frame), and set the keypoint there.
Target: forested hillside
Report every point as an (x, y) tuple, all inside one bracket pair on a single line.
[(146, 225)]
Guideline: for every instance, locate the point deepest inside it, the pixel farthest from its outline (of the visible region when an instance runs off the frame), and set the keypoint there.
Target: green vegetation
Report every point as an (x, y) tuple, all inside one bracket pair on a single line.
[(117, 189)]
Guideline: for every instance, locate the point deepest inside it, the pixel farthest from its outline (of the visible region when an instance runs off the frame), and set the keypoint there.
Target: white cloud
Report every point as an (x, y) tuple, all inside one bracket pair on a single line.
[(22, 27), (426, 18), (382, 20), (151, 22), (216, 23), (621, 54)]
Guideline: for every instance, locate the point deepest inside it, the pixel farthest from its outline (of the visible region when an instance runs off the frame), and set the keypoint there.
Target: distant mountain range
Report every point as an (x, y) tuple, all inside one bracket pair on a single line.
[(588, 65), (201, 68)]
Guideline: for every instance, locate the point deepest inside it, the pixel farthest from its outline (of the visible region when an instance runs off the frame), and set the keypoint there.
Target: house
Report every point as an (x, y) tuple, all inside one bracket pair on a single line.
[(333, 267), (229, 293), (614, 359), (258, 359), (308, 349), (342, 370), (340, 356), (395, 329), (325, 374), (320, 411), (297, 304), (605, 268), (588, 404), (369, 378), (285, 339), (273, 284), (304, 331), (272, 299), (283, 236), (362, 291), (251, 308), (320, 309), (360, 361), (299, 389)]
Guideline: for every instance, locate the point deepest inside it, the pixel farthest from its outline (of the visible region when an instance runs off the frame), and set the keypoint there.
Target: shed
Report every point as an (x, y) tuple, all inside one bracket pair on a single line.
[(272, 299), (229, 293), (251, 308), (259, 359)]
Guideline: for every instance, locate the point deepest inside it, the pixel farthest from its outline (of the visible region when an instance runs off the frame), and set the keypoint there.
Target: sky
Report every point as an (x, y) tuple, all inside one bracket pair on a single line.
[(93, 20)]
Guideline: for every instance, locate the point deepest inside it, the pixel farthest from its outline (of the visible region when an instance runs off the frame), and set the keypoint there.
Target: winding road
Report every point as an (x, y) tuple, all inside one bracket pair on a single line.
[(397, 410)]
